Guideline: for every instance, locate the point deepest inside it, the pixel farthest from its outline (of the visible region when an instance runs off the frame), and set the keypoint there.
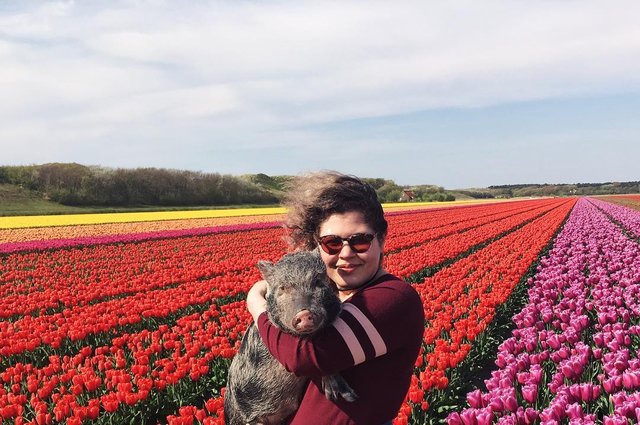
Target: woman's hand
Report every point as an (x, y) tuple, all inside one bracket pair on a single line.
[(256, 299)]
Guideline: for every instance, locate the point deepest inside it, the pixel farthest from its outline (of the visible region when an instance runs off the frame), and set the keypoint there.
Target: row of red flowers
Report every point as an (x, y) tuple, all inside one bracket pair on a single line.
[(68, 277), (414, 259), (181, 285), (444, 223), (134, 368), (469, 293), (159, 277)]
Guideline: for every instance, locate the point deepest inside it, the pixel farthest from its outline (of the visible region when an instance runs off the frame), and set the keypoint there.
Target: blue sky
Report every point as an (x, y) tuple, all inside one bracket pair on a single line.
[(459, 94)]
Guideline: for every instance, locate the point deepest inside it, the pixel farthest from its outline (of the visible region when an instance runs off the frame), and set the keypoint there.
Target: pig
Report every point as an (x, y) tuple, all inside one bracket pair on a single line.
[(300, 301)]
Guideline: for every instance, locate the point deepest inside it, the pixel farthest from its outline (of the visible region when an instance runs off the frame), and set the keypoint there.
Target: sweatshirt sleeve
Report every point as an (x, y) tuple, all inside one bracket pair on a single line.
[(370, 325)]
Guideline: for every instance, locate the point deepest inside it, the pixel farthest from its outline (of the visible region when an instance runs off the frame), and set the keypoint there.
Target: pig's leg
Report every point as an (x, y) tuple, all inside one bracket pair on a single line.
[(335, 386)]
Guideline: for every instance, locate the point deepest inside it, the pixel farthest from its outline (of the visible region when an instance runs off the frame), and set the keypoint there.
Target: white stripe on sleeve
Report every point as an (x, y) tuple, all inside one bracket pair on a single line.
[(374, 336), (350, 339)]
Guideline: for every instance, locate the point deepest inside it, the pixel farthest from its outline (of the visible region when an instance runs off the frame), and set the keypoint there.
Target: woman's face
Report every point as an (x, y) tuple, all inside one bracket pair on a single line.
[(349, 269)]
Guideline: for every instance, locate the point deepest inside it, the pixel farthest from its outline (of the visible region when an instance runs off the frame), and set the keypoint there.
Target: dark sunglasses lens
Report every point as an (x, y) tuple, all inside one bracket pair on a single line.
[(331, 245), (360, 243)]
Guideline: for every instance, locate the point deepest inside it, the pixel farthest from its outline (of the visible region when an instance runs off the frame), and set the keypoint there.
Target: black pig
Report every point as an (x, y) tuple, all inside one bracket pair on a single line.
[(300, 301)]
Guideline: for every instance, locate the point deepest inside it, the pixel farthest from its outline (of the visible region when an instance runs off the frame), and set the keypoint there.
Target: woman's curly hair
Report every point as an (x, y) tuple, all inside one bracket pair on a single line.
[(312, 198)]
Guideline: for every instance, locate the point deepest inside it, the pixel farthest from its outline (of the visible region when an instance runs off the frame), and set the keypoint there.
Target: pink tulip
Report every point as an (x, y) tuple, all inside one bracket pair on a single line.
[(614, 420), (587, 392), (530, 346), (511, 403), (559, 409), (553, 343), (574, 390), (523, 377), (609, 385), (530, 416), (628, 380), (583, 321), (536, 373), (602, 318), (568, 371), (474, 398), (621, 365), (468, 417), (454, 419), (618, 399), (530, 393), (574, 411), (496, 405), (484, 417)]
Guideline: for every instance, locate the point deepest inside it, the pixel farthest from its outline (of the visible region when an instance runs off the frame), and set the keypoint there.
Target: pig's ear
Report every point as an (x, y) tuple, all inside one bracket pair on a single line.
[(320, 266), (266, 269)]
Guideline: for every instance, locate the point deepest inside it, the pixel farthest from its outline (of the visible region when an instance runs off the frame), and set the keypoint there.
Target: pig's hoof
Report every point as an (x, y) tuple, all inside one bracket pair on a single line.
[(335, 386), (349, 396)]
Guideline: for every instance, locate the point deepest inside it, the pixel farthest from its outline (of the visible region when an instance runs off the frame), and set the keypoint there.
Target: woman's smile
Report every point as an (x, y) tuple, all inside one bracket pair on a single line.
[(347, 268)]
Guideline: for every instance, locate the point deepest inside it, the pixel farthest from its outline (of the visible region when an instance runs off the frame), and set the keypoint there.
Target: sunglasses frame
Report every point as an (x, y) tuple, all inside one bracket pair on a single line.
[(367, 236)]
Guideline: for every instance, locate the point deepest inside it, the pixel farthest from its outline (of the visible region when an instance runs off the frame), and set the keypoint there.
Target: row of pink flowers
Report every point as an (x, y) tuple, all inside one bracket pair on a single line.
[(573, 355), (630, 219)]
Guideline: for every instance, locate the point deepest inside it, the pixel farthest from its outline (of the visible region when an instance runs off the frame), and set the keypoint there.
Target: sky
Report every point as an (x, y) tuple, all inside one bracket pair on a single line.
[(459, 94)]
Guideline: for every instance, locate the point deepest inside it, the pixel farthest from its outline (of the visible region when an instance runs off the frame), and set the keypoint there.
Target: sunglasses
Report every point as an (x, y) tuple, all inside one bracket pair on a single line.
[(359, 242)]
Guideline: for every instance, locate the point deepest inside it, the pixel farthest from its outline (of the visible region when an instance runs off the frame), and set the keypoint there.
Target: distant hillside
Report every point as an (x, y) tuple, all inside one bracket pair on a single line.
[(274, 184), (16, 200), (70, 187), (80, 185)]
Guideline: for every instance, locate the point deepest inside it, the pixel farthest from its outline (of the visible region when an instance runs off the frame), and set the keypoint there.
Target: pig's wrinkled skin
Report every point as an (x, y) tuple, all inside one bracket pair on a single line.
[(300, 301)]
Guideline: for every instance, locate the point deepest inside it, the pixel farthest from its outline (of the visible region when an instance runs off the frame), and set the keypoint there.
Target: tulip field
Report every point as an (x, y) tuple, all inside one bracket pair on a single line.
[(631, 201), (532, 313)]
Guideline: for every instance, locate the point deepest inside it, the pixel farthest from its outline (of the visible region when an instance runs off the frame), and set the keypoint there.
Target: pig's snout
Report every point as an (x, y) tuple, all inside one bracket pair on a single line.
[(305, 321)]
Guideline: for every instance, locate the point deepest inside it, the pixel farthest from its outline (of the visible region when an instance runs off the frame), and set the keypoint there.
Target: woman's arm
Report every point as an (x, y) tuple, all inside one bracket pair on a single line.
[(256, 299), (383, 320)]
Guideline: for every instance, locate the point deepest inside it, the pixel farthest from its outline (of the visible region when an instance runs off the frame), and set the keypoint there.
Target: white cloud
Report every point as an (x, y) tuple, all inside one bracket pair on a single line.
[(81, 71), (323, 55)]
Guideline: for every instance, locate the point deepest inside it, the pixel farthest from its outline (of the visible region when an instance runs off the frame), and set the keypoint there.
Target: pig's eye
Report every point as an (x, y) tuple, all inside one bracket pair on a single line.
[(282, 288)]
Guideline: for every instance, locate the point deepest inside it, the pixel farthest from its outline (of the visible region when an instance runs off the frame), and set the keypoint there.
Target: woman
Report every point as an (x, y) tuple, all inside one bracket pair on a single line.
[(375, 341)]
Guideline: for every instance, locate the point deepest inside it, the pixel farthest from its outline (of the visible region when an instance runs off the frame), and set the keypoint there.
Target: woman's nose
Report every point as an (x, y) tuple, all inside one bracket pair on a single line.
[(346, 251)]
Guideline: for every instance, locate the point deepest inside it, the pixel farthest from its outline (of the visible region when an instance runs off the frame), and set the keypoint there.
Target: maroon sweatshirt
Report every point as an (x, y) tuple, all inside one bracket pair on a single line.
[(373, 344)]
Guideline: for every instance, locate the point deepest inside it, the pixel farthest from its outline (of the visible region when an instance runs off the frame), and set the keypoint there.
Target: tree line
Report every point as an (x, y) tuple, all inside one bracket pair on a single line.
[(388, 191), (80, 185), (577, 189)]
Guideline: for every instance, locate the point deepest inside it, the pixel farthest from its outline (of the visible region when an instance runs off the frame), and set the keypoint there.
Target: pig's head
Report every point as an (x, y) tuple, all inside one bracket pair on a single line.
[(300, 299)]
